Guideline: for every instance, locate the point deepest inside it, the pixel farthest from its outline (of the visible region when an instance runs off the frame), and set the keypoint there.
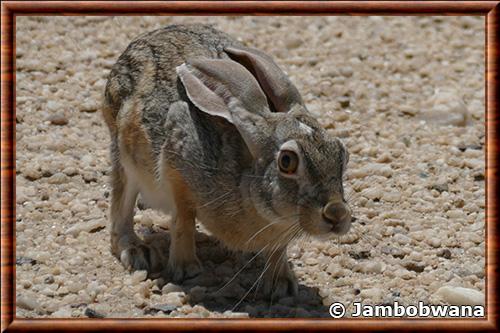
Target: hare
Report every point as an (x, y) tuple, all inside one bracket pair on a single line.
[(205, 128)]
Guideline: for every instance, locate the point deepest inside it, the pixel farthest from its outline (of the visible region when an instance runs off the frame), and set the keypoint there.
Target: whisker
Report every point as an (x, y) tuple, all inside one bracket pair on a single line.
[(274, 277), (242, 268), (255, 283), (216, 199), (275, 248), (280, 220)]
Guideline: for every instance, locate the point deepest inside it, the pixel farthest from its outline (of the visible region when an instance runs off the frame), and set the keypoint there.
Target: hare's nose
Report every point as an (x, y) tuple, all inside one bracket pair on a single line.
[(336, 212)]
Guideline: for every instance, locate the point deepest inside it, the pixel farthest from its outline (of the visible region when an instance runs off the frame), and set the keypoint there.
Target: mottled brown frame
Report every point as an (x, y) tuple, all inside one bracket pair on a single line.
[(11, 9)]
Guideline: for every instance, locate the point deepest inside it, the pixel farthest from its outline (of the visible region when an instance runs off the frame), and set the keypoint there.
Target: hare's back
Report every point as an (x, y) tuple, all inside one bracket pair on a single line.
[(145, 71), (150, 60)]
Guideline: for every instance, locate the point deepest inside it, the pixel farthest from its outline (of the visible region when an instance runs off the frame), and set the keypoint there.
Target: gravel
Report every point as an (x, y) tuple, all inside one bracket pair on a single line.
[(406, 94)]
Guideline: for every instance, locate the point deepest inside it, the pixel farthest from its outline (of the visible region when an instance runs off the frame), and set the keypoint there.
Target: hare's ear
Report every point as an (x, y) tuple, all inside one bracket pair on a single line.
[(281, 92), (226, 89)]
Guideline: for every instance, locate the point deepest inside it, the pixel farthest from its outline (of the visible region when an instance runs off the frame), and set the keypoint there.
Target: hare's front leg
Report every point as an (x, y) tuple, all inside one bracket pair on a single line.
[(182, 261), (279, 279), (125, 244)]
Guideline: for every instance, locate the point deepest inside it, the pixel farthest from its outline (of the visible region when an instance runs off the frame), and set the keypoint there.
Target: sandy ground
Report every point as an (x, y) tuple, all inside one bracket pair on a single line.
[(406, 94)]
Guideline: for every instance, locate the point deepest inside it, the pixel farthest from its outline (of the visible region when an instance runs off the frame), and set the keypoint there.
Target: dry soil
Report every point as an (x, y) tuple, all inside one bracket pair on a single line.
[(406, 94)]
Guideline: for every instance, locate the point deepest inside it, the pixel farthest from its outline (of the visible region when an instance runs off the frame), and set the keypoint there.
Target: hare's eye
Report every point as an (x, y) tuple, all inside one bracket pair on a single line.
[(288, 161)]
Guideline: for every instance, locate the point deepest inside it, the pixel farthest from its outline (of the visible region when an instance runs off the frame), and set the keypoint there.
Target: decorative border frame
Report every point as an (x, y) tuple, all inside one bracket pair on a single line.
[(11, 9)]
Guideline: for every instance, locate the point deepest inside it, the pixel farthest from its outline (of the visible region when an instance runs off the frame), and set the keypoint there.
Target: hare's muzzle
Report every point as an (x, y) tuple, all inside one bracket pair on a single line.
[(338, 214)]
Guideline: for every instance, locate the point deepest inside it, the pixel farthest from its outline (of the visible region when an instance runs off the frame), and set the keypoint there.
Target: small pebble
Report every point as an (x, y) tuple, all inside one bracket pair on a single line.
[(26, 284), (413, 266), (53, 106), (25, 261), (391, 196), (402, 239), (359, 255), (89, 226), (139, 301), (372, 267), (27, 302), (32, 173), (311, 261), (49, 279), (293, 42), (75, 287), (175, 298), (434, 242), (447, 108), (336, 271), (346, 71), (62, 313), (58, 178), (372, 193), (445, 253), (58, 119), (170, 287), (372, 293), (93, 314), (461, 296), (138, 276), (165, 308), (89, 106)]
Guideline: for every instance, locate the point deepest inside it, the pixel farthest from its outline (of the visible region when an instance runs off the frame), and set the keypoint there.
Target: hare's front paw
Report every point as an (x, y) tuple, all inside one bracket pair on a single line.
[(182, 269), (280, 282), (135, 254)]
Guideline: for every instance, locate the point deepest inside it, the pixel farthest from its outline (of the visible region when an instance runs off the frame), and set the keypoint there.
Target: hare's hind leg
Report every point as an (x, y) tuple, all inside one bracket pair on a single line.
[(182, 262), (125, 244)]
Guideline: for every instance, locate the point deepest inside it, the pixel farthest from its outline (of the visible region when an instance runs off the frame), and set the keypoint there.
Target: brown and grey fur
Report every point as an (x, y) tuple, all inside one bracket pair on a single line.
[(211, 155)]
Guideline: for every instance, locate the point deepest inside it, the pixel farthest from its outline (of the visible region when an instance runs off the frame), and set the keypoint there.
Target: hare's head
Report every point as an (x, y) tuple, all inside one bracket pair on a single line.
[(297, 170)]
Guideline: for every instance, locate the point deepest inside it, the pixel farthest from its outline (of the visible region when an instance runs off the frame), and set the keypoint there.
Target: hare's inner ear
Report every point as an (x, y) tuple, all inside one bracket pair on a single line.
[(201, 96), (275, 83), (226, 89), (211, 83)]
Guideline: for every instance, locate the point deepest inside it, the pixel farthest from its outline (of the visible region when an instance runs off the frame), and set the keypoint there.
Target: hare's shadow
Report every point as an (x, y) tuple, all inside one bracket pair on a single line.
[(228, 282)]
